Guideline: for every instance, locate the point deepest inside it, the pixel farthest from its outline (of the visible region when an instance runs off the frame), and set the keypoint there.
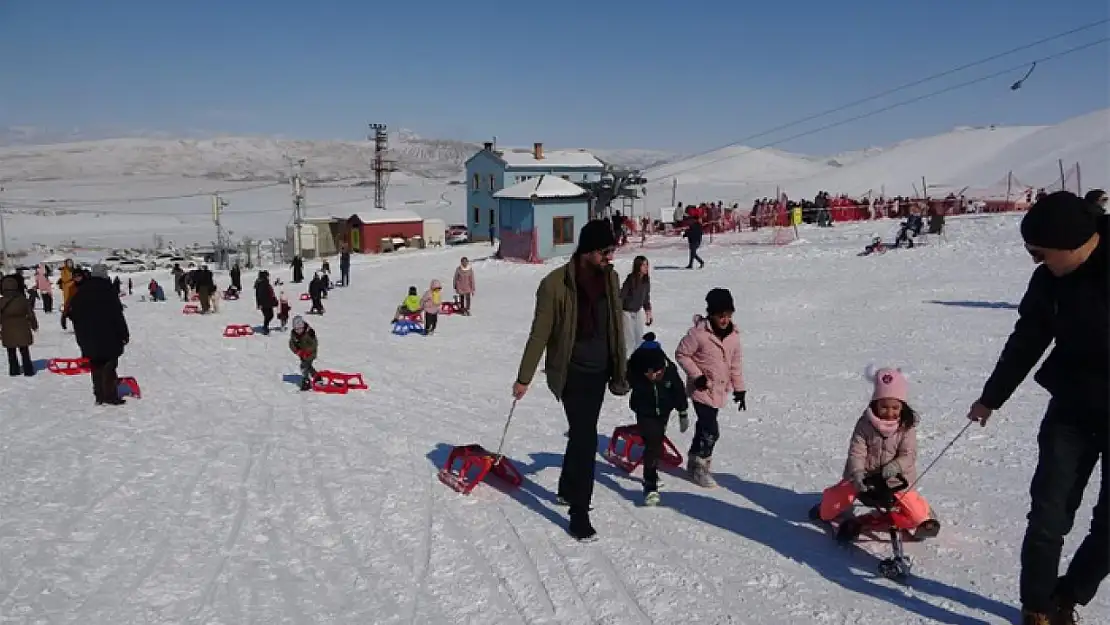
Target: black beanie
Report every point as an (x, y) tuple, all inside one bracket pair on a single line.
[(719, 300), (595, 235), (1059, 221), (647, 358)]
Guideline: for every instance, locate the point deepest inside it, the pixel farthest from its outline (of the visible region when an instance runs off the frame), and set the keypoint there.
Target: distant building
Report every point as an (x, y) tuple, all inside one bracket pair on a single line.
[(491, 170), (365, 231), (539, 218)]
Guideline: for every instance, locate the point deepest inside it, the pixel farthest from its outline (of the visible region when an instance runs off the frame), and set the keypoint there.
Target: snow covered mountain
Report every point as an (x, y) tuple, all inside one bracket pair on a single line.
[(242, 158)]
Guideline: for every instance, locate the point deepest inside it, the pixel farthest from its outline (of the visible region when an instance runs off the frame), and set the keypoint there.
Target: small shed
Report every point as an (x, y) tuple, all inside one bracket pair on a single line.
[(329, 232), (539, 218), (365, 231)]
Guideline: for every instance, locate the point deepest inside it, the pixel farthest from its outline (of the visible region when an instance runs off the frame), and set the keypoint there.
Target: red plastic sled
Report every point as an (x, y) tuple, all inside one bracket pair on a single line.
[(305, 297), (337, 383), (230, 298), (414, 316), (132, 387), (448, 308), (237, 330), (627, 437), (195, 297), (474, 463), (68, 366), (190, 309)]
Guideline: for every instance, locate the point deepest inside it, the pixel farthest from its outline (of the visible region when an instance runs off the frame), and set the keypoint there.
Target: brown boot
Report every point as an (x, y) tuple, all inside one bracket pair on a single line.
[(1035, 618)]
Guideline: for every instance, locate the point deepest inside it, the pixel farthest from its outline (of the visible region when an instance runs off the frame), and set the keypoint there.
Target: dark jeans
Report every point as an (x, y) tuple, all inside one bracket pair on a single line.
[(431, 320), (582, 399), (345, 276), (47, 301), (464, 301), (267, 318), (104, 379), (652, 429), (1070, 441), (706, 431), (317, 305), (694, 256), (28, 368)]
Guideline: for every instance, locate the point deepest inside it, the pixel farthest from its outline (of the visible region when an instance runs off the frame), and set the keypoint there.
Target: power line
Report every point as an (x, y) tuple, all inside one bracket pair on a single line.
[(879, 110), (152, 198)]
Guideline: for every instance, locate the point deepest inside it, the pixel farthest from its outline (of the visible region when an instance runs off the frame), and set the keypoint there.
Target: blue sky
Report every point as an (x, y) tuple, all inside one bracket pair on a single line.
[(673, 75)]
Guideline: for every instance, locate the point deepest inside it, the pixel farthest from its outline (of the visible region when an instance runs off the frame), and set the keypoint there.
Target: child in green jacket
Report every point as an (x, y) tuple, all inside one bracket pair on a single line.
[(303, 343)]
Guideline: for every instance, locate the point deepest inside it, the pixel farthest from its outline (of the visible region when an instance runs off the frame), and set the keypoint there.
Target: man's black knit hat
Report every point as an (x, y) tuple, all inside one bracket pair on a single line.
[(1059, 221), (596, 235)]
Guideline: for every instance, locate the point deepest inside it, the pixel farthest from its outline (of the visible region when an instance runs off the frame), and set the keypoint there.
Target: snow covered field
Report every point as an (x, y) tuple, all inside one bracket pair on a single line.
[(225, 495)]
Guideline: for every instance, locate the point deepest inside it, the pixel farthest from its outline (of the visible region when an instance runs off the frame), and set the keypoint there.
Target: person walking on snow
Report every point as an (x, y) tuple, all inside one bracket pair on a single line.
[(464, 285), (283, 311), (45, 289), (1065, 302), (101, 332), (657, 391), (66, 280), (578, 325), (430, 303), (265, 299), (316, 293), (345, 267), (883, 445), (636, 297), (710, 354), (693, 235), (18, 325), (303, 343)]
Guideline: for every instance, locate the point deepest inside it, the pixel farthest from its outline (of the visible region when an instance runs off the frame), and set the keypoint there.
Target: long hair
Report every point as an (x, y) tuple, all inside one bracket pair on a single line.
[(634, 277), (906, 420)]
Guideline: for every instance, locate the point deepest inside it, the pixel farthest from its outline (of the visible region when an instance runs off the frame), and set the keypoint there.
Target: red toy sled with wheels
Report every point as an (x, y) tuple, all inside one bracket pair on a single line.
[(338, 383), (449, 308), (68, 366), (626, 438), (468, 465), (305, 297), (238, 330)]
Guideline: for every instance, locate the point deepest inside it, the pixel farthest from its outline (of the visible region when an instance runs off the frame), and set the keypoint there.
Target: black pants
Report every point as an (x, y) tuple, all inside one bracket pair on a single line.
[(267, 319), (464, 302), (47, 301), (694, 256), (345, 275), (582, 399), (28, 368), (317, 305), (104, 379), (706, 431), (1070, 445), (431, 320), (652, 429)]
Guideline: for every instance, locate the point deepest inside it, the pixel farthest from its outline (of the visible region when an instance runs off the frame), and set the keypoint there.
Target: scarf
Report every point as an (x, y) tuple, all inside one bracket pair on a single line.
[(885, 428), (590, 284)]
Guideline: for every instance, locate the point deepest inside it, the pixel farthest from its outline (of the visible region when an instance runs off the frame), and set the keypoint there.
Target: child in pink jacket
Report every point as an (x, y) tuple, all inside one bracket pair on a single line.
[(711, 356), (430, 303), (883, 446)]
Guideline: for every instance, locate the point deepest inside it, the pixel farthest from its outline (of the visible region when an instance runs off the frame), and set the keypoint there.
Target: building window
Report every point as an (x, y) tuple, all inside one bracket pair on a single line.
[(563, 230), (477, 215), (491, 222), (567, 178), (477, 182), (492, 183)]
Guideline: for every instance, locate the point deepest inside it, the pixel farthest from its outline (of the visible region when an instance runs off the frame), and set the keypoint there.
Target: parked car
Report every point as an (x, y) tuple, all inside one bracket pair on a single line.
[(457, 234)]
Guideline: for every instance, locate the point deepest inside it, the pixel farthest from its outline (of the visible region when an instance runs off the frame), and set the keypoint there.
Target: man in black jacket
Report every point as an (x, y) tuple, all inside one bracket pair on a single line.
[(1066, 302), (101, 332)]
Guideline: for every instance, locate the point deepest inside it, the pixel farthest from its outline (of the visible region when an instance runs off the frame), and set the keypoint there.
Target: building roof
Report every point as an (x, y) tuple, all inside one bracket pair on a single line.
[(545, 186), (522, 157), (387, 217)]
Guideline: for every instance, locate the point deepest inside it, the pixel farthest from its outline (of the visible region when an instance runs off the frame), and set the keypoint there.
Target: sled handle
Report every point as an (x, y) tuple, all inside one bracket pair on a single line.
[(504, 432), (941, 454)]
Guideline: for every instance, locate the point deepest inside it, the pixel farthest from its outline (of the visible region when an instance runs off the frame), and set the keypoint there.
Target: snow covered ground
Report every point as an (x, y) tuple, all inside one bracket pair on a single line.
[(225, 495)]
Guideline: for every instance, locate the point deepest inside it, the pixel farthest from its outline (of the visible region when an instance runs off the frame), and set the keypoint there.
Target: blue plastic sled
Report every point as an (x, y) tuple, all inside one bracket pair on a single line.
[(405, 326)]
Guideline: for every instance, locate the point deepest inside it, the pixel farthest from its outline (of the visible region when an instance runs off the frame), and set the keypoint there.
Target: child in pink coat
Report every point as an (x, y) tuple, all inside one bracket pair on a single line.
[(711, 356), (430, 303), (883, 445)]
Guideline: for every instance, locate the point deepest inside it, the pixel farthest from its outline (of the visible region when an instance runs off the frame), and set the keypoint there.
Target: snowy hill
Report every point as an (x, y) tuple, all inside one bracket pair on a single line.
[(225, 495), (246, 158), (974, 157)]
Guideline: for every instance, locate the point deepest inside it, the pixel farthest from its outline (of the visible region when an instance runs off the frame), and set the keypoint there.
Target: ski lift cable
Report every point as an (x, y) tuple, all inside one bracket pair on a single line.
[(153, 198), (93, 211), (902, 87), (884, 109)]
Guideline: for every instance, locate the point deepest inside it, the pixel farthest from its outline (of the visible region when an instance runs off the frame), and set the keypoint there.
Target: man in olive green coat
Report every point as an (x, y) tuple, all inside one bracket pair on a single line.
[(578, 323)]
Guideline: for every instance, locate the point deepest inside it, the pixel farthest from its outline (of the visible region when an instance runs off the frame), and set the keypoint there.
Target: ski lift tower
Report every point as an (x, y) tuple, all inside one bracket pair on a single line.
[(382, 166), (624, 184)]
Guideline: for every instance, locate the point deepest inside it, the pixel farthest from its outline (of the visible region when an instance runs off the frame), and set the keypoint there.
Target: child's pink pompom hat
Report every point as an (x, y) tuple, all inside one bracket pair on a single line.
[(890, 383)]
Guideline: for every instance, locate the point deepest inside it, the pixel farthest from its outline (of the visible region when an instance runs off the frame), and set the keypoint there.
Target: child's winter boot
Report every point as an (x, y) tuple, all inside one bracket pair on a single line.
[(1035, 618), (651, 498), (699, 472)]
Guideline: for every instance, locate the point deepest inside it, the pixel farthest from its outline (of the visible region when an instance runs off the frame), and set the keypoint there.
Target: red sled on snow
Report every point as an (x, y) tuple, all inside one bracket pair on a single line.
[(132, 387), (626, 438), (68, 366), (468, 465), (195, 297), (449, 308), (337, 383), (190, 309), (305, 297), (238, 330)]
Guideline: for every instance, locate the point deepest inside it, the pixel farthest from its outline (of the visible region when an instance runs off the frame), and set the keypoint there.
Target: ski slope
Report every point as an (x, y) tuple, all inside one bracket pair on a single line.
[(226, 496)]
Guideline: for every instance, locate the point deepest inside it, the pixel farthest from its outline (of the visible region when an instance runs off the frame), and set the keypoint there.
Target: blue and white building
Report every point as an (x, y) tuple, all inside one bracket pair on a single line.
[(492, 170), (539, 218)]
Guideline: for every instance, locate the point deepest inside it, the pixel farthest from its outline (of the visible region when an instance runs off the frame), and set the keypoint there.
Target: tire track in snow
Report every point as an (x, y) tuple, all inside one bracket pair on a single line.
[(424, 560), (518, 544)]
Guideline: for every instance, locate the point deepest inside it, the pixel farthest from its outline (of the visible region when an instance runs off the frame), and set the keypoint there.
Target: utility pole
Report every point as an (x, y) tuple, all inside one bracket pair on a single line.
[(3, 235), (297, 182), (382, 166), (218, 206), (674, 191)]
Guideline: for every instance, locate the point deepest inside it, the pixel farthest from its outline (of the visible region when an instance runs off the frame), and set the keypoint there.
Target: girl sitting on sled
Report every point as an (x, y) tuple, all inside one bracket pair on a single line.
[(884, 443)]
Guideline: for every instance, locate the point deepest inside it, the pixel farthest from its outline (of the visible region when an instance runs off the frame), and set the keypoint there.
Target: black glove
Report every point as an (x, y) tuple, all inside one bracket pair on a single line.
[(740, 398), (701, 383)]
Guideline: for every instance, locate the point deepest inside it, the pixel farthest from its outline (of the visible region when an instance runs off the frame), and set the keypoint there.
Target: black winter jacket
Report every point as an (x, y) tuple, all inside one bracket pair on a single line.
[(1072, 311), (98, 322), (264, 295), (650, 399)]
